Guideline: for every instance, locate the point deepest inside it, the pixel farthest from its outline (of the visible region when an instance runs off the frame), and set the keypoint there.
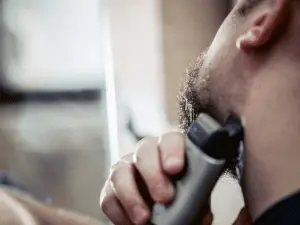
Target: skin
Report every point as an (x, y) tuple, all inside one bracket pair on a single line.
[(251, 69)]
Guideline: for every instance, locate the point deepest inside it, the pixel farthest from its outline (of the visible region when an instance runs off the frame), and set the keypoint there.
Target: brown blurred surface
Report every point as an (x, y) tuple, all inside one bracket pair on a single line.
[(58, 151), (188, 29)]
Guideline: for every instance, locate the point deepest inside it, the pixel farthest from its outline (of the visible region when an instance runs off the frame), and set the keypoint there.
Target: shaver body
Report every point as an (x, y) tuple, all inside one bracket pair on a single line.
[(201, 173)]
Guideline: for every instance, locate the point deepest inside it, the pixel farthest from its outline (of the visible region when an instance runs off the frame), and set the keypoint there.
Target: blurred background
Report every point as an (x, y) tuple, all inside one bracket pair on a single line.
[(81, 81)]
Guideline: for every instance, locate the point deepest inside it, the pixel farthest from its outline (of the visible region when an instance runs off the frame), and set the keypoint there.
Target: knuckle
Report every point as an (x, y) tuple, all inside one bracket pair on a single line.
[(156, 184), (159, 189), (173, 134), (113, 167), (172, 144), (145, 146), (125, 160), (172, 138), (131, 202), (145, 141), (121, 167), (127, 157), (113, 176)]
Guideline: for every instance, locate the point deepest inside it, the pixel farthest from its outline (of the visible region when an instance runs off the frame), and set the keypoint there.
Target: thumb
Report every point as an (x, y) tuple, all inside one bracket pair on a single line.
[(243, 218)]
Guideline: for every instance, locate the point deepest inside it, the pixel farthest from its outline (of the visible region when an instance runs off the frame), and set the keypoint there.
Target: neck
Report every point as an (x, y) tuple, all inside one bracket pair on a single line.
[(272, 137)]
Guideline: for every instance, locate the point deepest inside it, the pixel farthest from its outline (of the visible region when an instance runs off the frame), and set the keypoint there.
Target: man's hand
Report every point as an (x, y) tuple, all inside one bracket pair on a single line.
[(124, 198)]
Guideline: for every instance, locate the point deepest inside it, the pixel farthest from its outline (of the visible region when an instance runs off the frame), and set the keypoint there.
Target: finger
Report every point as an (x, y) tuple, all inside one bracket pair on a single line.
[(124, 186), (127, 158), (142, 188), (147, 162), (244, 218), (111, 207), (172, 147)]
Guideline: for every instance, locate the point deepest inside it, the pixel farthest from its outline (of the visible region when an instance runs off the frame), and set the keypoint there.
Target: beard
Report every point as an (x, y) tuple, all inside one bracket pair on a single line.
[(194, 98)]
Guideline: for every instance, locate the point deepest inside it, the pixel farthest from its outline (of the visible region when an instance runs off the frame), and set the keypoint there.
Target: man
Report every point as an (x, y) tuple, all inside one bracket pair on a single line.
[(251, 69)]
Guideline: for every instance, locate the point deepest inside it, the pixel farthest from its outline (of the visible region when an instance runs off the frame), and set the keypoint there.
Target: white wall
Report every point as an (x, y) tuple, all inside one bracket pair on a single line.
[(138, 66), (60, 42)]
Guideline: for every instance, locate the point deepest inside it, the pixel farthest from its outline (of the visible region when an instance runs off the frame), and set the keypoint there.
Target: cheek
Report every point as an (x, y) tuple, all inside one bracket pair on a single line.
[(221, 46), (223, 43)]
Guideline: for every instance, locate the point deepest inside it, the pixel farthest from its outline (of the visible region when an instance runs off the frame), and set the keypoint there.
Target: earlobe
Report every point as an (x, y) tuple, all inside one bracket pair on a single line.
[(263, 28), (248, 41), (259, 34)]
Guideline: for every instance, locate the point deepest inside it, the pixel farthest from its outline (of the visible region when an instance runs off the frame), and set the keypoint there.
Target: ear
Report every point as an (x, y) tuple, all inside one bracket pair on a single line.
[(263, 28)]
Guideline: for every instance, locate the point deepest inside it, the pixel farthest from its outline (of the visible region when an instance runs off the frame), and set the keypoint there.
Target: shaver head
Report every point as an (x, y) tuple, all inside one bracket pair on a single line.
[(220, 142)]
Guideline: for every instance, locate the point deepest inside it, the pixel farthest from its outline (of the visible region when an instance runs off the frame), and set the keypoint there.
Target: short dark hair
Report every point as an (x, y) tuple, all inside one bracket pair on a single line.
[(248, 6)]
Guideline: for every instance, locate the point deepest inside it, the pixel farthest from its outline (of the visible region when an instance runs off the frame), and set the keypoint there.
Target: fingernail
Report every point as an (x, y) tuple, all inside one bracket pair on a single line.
[(140, 215), (173, 162)]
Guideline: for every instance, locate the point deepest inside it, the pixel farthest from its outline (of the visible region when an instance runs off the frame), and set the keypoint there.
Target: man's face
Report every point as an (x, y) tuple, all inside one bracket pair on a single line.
[(212, 83), (228, 76)]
